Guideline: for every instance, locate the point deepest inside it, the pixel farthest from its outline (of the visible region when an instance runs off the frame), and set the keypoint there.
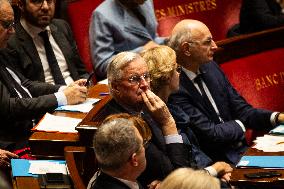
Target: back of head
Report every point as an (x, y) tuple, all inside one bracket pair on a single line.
[(114, 142), (186, 178), (161, 62)]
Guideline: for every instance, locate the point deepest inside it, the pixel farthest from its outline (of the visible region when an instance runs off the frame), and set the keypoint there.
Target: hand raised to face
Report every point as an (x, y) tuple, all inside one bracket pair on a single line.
[(159, 112)]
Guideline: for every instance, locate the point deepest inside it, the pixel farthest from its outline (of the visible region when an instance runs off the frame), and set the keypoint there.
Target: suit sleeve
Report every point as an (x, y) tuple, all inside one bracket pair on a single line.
[(206, 129), (24, 108), (160, 163)]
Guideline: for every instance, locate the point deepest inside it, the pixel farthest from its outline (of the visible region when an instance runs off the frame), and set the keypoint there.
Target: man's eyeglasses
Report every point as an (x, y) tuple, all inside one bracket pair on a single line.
[(178, 69), (39, 3), (207, 42), (7, 24), (136, 79), (145, 143)]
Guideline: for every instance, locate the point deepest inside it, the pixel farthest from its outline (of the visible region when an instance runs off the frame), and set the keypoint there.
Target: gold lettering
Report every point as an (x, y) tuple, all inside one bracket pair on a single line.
[(195, 4), (171, 11), (258, 85), (202, 6), (269, 80), (180, 10), (160, 13), (275, 76), (214, 4)]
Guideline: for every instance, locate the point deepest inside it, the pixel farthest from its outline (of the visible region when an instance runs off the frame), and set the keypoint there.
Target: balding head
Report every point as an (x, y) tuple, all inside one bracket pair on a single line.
[(7, 21), (192, 41)]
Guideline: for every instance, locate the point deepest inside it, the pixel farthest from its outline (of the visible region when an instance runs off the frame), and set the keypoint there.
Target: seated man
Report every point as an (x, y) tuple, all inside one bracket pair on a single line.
[(119, 150), (21, 100), (129, 83), (218, 113), (121, 25), (258, 15), (47, 49)]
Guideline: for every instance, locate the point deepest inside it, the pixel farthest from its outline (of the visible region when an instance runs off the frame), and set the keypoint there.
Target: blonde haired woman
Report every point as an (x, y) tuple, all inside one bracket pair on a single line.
[(186, 178), (164, 73)]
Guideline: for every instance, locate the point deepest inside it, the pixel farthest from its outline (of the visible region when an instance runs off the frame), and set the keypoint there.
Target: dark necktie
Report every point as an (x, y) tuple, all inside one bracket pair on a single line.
[(198, 80), (53, 64), (140, 17)]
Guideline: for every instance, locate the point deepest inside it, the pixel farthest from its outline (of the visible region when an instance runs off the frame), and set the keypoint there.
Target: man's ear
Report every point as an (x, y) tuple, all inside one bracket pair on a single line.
[(134, 160), (185, 48), (115, 88)]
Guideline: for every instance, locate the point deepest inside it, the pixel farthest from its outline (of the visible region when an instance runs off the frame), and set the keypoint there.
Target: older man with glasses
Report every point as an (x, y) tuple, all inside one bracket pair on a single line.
[(46, 45)]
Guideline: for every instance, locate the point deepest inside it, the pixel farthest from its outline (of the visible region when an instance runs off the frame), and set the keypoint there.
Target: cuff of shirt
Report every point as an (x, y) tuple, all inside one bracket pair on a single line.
[(241, 125), (62, 88), (176, 138), (211, 171), (273, 118), (61, 98)]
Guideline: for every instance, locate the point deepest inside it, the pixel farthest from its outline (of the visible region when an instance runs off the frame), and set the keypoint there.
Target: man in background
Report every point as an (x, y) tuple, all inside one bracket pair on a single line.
[(218, 113), (46, 46), (121, 25)]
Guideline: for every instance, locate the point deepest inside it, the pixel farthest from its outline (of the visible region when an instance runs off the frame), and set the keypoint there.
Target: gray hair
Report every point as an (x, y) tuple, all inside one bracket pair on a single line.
[(118, 63), (114, 142), (178, 38)]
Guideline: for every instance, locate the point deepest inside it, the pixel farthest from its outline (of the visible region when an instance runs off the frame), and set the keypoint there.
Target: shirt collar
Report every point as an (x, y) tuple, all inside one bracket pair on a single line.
[(191, 75), (33, 31), (130, 184)]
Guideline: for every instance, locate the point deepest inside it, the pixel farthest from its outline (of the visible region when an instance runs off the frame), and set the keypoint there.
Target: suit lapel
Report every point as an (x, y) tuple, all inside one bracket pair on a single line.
[(196, 96), (62, 43), (28, 46)]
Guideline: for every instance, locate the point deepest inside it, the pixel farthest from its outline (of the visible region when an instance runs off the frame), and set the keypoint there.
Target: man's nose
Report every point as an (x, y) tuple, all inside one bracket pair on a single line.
[(143, 84)]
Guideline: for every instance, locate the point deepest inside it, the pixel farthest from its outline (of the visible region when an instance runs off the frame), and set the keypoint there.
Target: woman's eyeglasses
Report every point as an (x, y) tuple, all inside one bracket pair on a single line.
[(7, 24), (178, 69)]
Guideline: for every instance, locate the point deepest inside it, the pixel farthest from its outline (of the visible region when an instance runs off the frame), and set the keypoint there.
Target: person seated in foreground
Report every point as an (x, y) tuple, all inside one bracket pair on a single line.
[(23, 101), (164, 73), (186, 178), (129, 83), (120, 152), (218, 112)]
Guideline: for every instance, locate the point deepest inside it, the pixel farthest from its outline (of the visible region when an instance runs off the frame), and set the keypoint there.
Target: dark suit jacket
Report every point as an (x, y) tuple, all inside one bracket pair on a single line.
[(161, 158), (221, 141), (257, 15), (16, 113), (30, 63), (105, 181)]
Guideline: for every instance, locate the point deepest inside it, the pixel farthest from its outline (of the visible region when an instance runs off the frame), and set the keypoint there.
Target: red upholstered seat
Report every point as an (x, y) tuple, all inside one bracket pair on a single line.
[(79, 13), (218, 15), (254, 64)]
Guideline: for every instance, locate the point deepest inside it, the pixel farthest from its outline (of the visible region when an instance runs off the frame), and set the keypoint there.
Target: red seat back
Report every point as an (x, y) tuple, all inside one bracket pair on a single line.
[(219, 15), (79, 13), (254, 64)]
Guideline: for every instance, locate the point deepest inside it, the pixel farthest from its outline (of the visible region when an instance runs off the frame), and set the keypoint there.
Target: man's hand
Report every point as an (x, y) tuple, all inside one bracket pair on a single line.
[(80, 82), (159, 112), (5, 157), (223, 170), (75, 94)]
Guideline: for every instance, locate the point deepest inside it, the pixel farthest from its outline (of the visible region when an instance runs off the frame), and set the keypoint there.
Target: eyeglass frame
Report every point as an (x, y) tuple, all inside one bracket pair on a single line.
[(178, 69), (40, 2), (136, 79), (207, 42), (7, 24)]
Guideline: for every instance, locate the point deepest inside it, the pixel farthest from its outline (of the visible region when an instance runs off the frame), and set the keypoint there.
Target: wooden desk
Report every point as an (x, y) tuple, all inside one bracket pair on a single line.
[(238, 178), (50, 145)]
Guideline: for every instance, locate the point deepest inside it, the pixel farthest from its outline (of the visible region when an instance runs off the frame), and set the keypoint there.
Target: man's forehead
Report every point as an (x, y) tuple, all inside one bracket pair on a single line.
[(136, 66)]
